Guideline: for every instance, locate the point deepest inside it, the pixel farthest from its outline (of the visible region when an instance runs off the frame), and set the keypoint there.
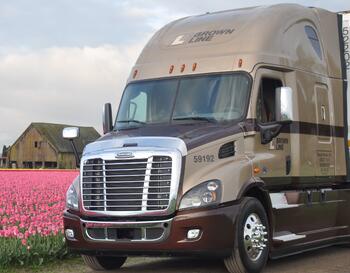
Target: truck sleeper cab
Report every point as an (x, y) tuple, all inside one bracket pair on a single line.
[(231, 140)]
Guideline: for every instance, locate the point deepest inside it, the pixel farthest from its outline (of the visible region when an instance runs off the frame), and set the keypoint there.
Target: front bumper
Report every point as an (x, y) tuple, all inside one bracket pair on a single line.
[(216, 238)]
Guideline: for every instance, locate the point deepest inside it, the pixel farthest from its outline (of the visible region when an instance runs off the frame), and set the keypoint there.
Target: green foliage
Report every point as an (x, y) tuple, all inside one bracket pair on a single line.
[(36, 251)]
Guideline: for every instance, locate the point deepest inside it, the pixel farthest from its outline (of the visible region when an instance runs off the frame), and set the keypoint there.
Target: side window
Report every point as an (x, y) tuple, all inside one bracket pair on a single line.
[(315, 42), (266, 105)]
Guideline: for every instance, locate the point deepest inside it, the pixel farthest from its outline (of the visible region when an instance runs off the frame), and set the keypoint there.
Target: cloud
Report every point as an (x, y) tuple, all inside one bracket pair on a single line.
[(65, 23), (197, 7), (42, 24), (154, 16), (63, 85)]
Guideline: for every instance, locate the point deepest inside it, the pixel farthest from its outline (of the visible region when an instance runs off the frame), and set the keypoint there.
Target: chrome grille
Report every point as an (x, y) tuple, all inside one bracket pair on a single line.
[(127, 184)]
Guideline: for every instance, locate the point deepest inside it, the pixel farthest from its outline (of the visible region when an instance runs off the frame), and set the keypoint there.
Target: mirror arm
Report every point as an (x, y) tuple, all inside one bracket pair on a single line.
[(76, 155), (285, 122)]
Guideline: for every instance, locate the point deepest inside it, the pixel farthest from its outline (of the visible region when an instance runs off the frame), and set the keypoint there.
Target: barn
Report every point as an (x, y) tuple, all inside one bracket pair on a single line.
[(41, 146)]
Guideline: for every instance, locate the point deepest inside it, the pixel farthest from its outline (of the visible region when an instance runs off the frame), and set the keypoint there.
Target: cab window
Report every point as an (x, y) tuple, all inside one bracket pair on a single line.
[(313, 38), (266, 105)]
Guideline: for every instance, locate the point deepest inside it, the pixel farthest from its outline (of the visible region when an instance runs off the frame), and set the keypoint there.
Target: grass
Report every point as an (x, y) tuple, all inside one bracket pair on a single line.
[(36, 251), (69, 265)]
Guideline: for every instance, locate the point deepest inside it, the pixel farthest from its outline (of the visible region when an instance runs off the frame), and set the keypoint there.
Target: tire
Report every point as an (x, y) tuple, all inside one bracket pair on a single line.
[(242, 260), (102, 263)]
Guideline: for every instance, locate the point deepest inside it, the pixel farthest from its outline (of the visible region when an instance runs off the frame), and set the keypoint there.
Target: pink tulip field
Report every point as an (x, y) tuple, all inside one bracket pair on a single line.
[(31, 207)]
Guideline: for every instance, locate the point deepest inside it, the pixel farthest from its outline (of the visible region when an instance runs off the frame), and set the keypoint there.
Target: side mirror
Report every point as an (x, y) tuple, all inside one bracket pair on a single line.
[(70, 132), (107, 118), (284, 104)]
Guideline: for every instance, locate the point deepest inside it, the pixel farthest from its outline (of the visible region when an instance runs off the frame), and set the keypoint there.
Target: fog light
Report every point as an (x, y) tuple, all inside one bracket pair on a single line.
[(193, 234), (69, 234)]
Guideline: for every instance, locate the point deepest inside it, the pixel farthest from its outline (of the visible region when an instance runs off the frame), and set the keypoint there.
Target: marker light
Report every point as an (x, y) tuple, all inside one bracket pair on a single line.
[(171, 69), (240, 63), (256, 170), (183, 68), (194, 66), (135, 74)]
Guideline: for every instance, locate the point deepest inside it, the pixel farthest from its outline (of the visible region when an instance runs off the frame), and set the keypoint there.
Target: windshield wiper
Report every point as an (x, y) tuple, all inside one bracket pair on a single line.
[(131, 120), (196, 118)]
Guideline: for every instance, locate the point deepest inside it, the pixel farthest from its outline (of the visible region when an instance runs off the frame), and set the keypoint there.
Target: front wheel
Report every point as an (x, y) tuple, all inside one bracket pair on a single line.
[(251, 246), (101, 263)]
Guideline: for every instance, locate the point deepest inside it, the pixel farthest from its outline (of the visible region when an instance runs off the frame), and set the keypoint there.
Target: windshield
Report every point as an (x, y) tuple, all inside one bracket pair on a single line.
[(209, 98)]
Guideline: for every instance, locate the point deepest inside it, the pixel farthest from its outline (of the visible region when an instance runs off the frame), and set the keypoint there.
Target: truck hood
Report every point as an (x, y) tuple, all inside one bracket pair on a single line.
[(193, 135)]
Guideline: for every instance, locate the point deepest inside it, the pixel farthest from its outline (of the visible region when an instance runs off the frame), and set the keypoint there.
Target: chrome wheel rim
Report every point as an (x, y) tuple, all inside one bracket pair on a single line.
[(254, 237)]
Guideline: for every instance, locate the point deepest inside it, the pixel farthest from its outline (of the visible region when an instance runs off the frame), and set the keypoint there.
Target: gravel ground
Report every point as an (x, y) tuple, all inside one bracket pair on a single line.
[(328, 260)]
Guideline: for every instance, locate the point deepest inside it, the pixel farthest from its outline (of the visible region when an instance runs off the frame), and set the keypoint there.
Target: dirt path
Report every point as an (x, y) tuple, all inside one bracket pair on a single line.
[(329, 260)]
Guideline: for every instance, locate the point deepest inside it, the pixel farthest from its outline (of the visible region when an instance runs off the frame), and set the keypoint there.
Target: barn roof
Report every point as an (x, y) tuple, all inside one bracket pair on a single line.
[(53, 133)]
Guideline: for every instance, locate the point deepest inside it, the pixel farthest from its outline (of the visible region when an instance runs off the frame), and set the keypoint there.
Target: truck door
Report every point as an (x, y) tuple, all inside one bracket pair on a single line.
[(274, 157), (325, 143)]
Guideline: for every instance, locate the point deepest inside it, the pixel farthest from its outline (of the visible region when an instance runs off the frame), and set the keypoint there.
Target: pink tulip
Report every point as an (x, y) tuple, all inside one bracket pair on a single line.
[(32, 202)]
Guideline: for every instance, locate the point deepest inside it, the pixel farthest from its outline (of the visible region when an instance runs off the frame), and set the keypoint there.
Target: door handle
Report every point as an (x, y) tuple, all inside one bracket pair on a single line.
[(288, 164)]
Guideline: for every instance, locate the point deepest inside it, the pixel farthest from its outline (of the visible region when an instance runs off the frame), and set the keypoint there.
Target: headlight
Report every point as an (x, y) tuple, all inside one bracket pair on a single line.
[(205, 194), (72, 199)]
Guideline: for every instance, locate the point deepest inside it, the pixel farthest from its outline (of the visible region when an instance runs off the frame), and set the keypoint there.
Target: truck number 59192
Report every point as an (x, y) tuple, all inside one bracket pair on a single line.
[(203, 158)]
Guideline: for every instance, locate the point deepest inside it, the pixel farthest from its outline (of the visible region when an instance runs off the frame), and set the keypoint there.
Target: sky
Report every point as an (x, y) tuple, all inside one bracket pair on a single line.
[(61, 60)]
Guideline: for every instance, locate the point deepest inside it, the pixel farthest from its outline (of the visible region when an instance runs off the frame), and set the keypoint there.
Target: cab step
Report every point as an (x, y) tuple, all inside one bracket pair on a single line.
[(286, 236)]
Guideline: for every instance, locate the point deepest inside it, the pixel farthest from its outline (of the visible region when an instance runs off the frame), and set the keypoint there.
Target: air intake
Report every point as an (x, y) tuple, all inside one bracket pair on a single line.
[(227, 150)]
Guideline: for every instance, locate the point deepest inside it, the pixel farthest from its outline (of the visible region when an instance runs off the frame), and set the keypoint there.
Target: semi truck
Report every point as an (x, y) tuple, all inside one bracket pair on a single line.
[(230, 141)]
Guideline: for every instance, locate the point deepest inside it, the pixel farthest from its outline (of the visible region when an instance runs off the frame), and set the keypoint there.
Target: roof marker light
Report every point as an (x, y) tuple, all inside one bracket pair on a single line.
[(194, 66), (240, 63), (183, 68), (171, 69), (135, 74)]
